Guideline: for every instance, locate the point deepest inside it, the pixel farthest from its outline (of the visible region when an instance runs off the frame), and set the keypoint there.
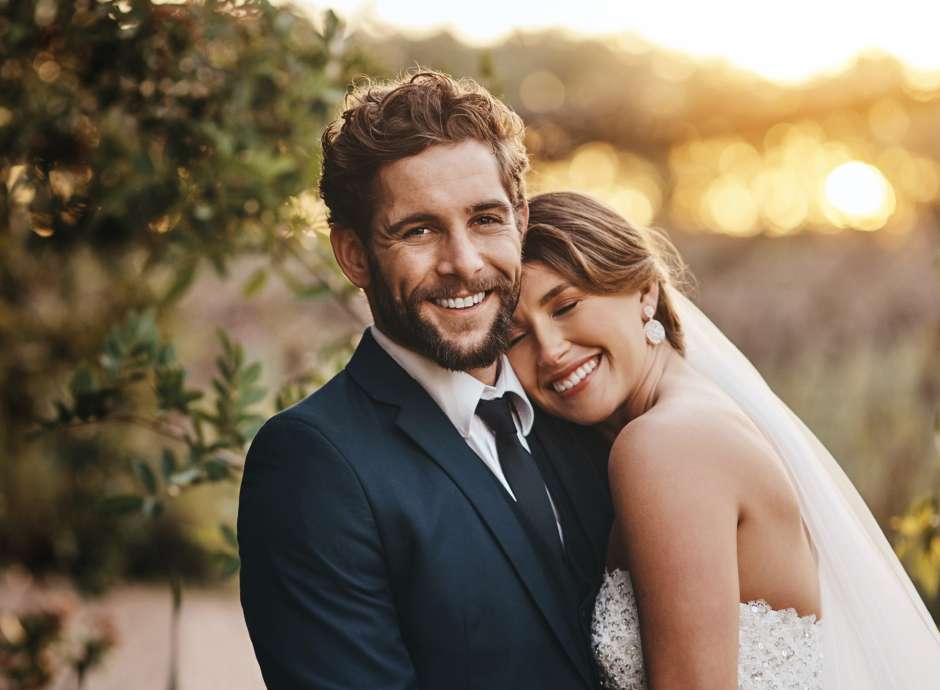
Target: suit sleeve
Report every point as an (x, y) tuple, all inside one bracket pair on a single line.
[(314, 583)]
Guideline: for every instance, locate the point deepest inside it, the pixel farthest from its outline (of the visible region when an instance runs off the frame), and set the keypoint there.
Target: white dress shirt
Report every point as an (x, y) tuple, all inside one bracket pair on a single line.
[(457, 394)]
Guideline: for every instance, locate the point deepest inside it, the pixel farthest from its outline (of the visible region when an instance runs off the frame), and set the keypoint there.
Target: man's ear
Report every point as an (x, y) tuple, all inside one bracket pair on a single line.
[(351, 255)]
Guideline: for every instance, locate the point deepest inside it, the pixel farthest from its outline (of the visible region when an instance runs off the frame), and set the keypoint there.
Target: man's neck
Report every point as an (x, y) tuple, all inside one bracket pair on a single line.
[(487, 375)]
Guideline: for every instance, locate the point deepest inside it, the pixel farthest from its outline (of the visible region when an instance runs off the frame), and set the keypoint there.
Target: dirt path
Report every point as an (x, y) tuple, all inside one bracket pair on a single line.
[(215, 651)]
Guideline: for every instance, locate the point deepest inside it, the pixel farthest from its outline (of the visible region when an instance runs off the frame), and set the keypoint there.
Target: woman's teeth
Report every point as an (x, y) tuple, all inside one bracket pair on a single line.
[(460, 302), (576, 376)]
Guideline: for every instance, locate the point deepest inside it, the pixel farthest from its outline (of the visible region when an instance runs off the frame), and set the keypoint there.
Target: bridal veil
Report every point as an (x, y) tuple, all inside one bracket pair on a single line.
[(877, 633)]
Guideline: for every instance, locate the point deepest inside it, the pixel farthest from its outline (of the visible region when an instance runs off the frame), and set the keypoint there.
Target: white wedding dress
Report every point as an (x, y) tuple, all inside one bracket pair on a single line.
[(776, 649), (875, 632)]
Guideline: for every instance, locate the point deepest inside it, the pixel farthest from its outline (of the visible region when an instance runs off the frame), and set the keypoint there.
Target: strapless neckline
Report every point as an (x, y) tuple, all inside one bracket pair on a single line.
[(759, 604), (777, 648)]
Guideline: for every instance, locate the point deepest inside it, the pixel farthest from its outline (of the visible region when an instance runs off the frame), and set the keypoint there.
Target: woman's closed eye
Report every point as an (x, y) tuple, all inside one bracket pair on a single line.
[(515, 337), (565, 309)]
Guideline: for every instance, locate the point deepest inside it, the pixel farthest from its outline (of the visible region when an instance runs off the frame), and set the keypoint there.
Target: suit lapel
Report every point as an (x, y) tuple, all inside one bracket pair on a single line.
[(426, 424)]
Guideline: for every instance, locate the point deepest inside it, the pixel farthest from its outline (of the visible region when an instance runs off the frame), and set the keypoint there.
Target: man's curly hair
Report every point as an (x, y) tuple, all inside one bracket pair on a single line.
[(386, 122)]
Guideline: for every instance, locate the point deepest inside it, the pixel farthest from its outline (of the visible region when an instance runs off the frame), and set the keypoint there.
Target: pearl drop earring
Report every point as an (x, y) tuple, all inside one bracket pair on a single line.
[(653, 329)]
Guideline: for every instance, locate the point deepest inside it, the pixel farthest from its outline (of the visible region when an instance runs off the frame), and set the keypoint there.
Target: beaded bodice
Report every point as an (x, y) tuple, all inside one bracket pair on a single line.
[(777, 649)]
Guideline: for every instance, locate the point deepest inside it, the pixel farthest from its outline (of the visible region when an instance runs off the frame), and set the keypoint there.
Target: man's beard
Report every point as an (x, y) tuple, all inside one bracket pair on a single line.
[(402, 321)]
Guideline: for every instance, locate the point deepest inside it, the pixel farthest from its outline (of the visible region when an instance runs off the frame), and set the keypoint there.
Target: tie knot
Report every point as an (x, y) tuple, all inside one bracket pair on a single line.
[(497, 414)]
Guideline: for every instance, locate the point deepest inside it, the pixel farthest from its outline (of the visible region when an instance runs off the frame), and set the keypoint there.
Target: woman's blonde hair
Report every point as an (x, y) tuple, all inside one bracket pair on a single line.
[(598, 250)]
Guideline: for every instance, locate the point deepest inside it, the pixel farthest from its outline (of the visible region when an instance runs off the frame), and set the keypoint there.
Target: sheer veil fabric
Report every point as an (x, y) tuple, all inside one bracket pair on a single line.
[(877, 633)]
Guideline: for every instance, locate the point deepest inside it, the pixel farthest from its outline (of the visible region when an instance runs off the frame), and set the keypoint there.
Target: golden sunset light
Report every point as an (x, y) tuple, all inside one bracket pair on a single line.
[(787, 43), (684, 79)]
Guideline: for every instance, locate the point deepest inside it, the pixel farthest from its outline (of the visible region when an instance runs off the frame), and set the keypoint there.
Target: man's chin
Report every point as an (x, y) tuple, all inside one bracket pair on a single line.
[(467, 350)]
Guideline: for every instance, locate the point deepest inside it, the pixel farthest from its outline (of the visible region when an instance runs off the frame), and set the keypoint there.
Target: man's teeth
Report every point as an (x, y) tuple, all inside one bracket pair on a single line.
[(460, 302), (576, 376)]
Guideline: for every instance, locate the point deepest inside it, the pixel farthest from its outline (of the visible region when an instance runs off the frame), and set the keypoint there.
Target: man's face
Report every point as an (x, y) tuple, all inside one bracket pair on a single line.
[(445, 255)]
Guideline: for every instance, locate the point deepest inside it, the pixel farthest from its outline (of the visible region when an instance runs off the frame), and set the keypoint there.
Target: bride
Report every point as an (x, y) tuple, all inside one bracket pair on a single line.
[(740, 555)]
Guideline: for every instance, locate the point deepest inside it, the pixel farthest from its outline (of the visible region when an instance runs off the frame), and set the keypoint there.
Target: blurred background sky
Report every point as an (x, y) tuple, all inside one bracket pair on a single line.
[(783, 102), (788, 42)]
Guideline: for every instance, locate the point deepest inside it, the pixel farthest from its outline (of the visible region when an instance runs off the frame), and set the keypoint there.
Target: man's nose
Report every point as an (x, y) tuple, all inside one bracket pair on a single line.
[(460, 256)]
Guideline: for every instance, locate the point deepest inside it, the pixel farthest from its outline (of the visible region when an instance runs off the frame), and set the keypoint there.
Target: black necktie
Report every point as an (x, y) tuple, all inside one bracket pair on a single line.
[(521, 472)]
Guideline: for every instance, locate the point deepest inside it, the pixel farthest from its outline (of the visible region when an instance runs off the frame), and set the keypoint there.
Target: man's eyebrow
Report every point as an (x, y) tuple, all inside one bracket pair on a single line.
[(489, 205), (554, 292), (399, 225)]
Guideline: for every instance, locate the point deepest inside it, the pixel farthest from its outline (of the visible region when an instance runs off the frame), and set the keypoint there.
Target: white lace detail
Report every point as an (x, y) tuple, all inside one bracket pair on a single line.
[(778, 650)]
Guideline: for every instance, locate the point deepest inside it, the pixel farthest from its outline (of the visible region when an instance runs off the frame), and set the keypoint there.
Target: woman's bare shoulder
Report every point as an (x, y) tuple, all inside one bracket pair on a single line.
[(692, 441)]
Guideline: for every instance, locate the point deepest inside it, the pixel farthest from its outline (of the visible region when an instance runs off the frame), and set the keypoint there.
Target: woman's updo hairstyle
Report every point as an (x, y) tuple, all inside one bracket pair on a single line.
[(597, 250)]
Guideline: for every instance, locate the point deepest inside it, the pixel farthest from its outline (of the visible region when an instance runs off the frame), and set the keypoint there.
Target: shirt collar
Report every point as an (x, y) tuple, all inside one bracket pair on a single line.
[(457, 392)]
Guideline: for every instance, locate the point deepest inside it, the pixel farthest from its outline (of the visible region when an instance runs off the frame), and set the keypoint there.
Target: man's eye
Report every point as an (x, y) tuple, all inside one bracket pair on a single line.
[(489, 220), (561, 311), (419, 231)]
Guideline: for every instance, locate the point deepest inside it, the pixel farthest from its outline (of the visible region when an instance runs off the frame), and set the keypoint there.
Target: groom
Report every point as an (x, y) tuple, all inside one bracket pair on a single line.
[(415, 523)]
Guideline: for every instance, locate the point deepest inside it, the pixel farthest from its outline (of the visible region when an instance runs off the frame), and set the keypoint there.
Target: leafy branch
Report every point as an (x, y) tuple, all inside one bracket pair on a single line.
[(206, 439)]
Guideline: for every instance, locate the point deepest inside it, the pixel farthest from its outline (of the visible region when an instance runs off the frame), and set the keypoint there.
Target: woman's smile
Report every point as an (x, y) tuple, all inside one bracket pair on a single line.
[(574, 378)]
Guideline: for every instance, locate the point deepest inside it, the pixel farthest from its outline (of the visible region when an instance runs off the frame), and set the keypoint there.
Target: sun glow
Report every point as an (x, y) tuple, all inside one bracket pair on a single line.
[(858, 195), (787, 43)]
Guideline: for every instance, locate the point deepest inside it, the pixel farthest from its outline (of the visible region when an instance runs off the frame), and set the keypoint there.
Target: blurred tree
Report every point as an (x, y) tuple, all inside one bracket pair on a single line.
[(140, 142)]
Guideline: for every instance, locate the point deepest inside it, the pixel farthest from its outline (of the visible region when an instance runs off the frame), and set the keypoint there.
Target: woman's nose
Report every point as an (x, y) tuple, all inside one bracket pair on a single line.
[(552, 347)]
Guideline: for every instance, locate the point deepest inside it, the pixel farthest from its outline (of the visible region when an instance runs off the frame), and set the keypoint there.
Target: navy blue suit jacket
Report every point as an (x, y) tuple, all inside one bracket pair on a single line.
[(378, 551)]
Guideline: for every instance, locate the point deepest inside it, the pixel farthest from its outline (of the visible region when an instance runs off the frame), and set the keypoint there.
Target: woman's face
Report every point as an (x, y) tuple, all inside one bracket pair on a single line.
[(579, 355)]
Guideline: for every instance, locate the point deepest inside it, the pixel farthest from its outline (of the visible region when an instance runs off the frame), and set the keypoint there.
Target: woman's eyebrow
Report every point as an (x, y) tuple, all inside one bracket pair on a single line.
[(551, 294)]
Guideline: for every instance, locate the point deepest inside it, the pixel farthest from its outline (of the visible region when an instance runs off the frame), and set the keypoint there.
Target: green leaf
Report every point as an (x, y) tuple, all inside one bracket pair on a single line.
[(217, 469), (225, 369), (228, 563), (229, 535), (167, 463), (251, 396), (83, 381), (218, 263), (182, 281), (121, 504), (256, 281), (332, 25), (231, 567), (145, 475), (250, 374), (250, 427), (166, 356), (220, 389)]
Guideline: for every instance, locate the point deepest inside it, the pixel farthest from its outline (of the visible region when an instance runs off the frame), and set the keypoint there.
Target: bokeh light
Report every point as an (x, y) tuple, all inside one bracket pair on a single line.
[(858, 195)]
